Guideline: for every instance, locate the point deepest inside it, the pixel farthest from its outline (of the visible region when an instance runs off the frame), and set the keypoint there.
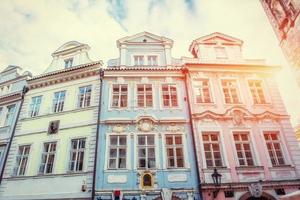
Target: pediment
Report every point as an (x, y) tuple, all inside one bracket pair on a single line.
[(145, 37), (219, 38), (71, 45)]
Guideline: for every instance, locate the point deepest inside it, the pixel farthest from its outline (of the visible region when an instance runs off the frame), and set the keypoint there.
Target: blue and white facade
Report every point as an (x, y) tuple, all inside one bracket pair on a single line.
[(145, 145)]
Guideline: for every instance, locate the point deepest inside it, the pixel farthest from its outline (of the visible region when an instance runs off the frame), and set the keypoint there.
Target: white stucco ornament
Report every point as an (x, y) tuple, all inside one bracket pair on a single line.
[(145, 125), (238, 117), (174, 128), (166, 193), (116, 178), (255, 190), (118, 128)]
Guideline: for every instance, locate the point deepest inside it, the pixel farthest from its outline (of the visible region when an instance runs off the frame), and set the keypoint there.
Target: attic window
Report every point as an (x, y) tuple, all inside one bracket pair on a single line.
[(221, 53), (68, 62), (144, 40)]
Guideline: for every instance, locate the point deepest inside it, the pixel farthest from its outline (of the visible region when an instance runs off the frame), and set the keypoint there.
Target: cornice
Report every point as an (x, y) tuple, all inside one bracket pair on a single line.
[(9, 98), (61, 76)]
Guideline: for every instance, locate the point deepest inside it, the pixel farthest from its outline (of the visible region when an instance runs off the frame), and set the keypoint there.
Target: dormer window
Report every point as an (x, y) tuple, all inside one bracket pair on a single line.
[(221, 53), (152, 60), (68, 63), (138, 60)]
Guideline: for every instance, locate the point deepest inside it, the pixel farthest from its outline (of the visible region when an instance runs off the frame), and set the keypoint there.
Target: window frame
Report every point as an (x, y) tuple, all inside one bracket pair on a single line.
[(174, 147), (34, 104), (149, 62), (249, 142), (18, 164), (77, 151), (169, 92), (219, 142), (238, 91), (68, 62), (47, 157), (264, 91), (282, 148), (10, 121), (59, 106), (139, 62), (144, 96), (195, 87), (146, 146), (117, 147), (84, 96), (119, 97)]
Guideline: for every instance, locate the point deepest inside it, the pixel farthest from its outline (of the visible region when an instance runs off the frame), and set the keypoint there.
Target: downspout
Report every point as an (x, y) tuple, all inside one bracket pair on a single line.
[(97, 134), (185, 72), (24, 91)]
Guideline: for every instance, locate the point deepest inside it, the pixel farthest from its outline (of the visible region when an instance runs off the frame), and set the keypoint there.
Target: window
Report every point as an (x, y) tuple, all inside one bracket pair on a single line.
[(77, 155), (220, 52), (117, 152), (59, 101), (174, 147), (138, 60), (169, 92), (144, 95), (9, 115), (274, 147), (119, 96), (243, 148), (152, 60), (212, 149), (22, 160), (48, 156), (2, 151), (146, 151), (202, 92), (35, 106), (1, 112), (230, 91), (68, 62), (84, 97), (257, 91)]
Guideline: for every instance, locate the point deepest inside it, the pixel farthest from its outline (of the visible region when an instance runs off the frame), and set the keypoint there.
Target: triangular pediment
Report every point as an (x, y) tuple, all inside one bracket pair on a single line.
[(219, 38), (145, 37)]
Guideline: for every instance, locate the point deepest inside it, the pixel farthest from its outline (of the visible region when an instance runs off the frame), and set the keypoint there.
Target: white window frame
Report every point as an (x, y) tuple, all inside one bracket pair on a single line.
[(9, 121), (170, 101), (140, 62), (119, 100), (1, 115), (210, 144), (282, 149), (34, 106), (59, 106), (151, 61), (68, 62), (263, 89), (174, 147), (17, 167), (86, 97), (2, 152), (146, 156), (136, 94), (118, 146), (249, 141), (196, 87), (77, 151), (237, 88), (48, 153)]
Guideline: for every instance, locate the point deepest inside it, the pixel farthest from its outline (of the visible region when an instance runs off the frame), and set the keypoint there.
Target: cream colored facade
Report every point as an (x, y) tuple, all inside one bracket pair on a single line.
[(75, 122)]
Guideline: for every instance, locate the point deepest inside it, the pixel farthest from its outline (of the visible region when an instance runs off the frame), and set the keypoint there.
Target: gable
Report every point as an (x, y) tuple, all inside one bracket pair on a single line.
[(145, 39), (219, 40)]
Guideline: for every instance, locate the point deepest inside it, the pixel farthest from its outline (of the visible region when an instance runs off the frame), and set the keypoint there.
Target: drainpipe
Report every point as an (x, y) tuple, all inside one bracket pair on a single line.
[(185, 72), (24, 91), (97, 134)]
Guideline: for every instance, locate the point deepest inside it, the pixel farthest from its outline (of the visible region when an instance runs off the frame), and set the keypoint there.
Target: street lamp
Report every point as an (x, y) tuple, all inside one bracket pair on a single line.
[(217, 182)]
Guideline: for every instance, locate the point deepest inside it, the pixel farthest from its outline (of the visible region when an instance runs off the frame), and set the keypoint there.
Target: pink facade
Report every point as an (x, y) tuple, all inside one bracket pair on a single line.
[(240, 123)]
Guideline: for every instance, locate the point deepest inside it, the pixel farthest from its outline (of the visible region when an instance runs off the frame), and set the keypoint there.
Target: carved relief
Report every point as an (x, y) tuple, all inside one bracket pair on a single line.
[(255, 190), (174, 128), (118, 128), (238, 117), (145, 125)]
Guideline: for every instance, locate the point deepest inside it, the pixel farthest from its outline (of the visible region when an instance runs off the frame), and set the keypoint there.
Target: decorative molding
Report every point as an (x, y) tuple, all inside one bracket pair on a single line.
[(177, 177), (117, 179)]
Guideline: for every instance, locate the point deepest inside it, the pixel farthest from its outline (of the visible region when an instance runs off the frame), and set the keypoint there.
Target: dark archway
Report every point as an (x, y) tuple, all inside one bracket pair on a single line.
[(264, 196)]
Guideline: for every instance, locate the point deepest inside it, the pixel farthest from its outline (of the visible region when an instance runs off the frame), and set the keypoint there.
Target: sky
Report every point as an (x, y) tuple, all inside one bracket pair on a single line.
[(33, 29)]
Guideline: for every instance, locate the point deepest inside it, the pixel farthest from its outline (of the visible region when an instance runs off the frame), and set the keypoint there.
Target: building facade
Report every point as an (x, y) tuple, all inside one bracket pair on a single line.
[(145, 141), (285, 20), (52, 152), (12, 83), (240, 123)]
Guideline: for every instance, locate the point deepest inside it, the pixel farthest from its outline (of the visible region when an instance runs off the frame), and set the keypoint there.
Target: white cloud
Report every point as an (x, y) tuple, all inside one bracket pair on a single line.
[(31, 30)]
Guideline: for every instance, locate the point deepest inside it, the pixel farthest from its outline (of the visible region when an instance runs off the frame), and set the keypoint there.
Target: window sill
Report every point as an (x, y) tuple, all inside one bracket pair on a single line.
[(282, 167), (250, 168), (220, 169), (116, 170)]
